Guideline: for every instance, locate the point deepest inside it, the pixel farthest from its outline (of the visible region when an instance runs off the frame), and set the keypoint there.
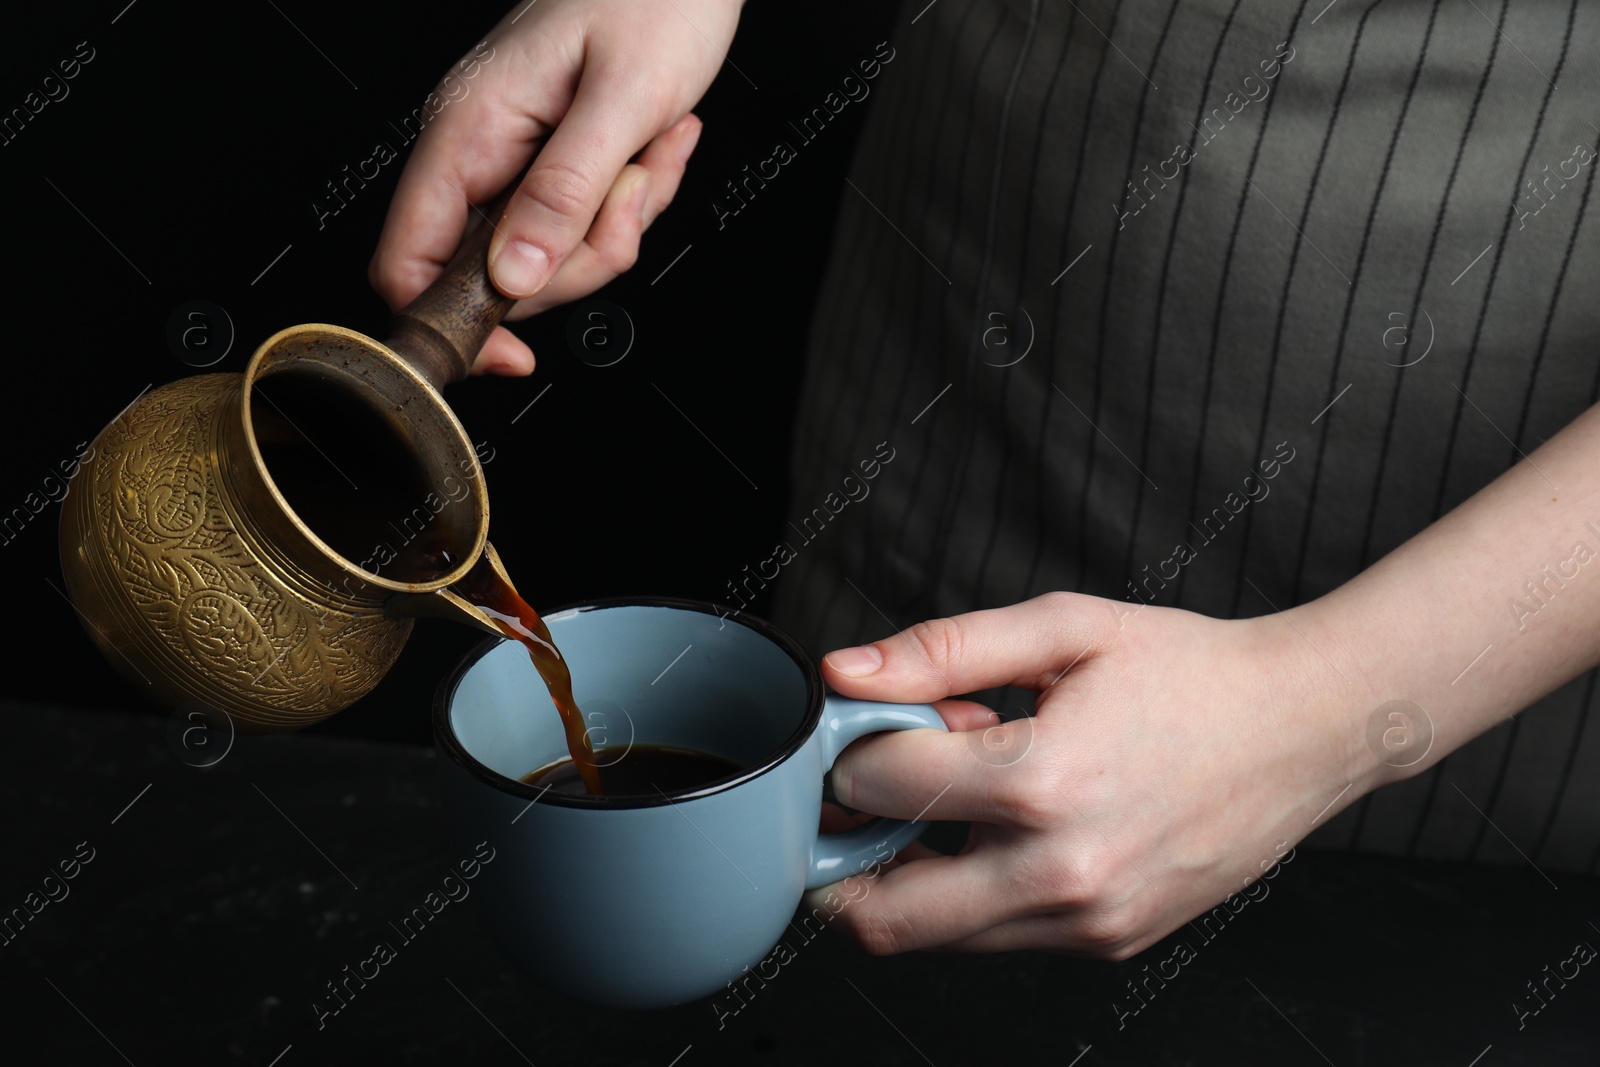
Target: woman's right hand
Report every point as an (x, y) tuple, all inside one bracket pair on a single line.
[(598, 81)]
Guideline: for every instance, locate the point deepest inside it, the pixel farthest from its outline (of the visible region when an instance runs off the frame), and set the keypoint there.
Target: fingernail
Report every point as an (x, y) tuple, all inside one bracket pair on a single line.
[(520, 269), (641, 185), (690, 139), (855, 662)]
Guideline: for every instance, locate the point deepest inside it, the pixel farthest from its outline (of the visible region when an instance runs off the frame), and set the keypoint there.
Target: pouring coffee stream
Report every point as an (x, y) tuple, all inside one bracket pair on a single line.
[(489, 593), (208, 568)]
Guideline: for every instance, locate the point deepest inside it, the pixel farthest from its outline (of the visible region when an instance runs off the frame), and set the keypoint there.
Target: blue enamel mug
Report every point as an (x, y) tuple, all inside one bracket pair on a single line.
[(649, 901)]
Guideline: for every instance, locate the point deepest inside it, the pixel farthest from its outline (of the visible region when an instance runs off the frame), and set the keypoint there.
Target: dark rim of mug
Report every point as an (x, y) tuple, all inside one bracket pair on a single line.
[(446, 738)]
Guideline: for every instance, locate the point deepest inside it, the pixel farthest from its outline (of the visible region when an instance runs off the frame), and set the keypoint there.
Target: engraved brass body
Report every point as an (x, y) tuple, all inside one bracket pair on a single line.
[(196, 578)]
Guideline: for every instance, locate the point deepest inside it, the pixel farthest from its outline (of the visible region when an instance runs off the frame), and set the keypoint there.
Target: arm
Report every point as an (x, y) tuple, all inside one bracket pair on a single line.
[(1174, 758), (1468, 575)]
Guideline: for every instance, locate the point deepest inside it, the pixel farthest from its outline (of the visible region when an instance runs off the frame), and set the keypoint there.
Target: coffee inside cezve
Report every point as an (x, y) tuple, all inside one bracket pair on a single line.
[(349, 476)]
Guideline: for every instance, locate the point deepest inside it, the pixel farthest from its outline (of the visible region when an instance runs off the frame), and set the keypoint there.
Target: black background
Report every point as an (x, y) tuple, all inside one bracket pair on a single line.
[(196, 141)]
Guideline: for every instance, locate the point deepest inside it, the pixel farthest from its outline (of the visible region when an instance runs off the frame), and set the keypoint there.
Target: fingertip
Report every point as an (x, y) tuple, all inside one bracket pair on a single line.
[(835, 819), (688, 136), (963, 716), (380, 275), (636, 195), (375, 278), (911, 853), (627, 194), (862, 661), (519, 269), (399, 280), (504, 355), (507, 370), (812, 899)]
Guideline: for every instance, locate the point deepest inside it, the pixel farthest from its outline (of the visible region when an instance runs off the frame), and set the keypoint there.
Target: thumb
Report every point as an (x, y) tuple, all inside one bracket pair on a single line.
[(561, 194), (1028, 645)]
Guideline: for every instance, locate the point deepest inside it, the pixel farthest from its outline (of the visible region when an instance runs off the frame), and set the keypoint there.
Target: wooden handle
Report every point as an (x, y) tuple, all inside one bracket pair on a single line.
[(441, 332)]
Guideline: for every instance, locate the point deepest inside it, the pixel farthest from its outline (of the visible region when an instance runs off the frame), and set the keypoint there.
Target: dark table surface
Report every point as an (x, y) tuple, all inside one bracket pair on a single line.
[(219, 901)]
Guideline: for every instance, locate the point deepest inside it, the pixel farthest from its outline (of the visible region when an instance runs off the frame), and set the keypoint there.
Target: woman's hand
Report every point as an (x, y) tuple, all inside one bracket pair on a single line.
[(599, 82), (1172, 761), (1174, 757)]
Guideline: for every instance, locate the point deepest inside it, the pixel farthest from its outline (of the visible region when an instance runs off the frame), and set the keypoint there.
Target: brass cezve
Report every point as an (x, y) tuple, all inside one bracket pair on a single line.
[(195, 577)]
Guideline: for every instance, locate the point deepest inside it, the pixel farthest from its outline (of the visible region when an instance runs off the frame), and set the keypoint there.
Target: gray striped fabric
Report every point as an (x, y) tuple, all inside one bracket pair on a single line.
[(1251, 202)]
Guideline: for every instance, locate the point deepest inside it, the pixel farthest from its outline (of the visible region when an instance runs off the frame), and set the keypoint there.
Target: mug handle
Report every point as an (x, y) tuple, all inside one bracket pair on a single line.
[(837, 856)]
